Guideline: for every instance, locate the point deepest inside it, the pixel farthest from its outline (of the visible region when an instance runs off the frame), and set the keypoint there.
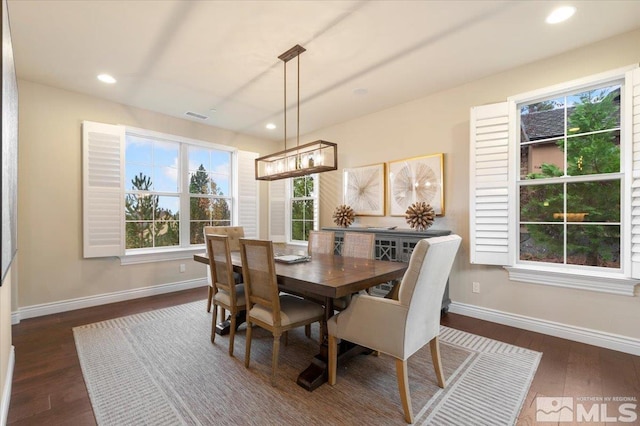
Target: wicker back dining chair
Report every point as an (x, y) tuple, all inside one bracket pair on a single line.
[(266, 307), (359, 244), (321, 242), (226, 293), (234, 233), (400, 328)]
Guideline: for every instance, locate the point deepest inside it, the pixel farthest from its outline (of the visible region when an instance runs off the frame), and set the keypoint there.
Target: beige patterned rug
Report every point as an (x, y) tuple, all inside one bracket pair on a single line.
[(160, 368)]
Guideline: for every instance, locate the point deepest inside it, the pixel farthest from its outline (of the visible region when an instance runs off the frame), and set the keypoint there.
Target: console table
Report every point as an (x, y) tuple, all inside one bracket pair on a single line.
[(395, 245)]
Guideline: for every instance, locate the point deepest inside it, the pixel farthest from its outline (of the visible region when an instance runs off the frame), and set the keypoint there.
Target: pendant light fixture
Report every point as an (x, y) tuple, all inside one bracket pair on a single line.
[(301, 160)]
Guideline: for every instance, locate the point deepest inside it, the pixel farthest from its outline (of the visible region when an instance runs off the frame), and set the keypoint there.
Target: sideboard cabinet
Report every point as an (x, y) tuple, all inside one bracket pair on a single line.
[(395, 245)]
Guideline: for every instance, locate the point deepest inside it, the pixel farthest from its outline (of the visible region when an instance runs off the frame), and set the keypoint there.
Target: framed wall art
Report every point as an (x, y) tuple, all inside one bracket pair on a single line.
[(364, 189), (416, 179)]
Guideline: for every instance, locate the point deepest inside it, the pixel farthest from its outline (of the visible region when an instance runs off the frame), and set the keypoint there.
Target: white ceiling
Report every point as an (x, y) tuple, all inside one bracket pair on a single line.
[(178, 56)]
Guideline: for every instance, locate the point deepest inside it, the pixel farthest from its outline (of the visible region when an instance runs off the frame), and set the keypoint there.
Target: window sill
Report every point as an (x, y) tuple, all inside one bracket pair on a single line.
[(603, 283), (149, 256)]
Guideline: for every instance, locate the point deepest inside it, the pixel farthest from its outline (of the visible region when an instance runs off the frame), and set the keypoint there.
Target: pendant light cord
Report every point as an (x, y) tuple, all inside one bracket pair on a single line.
[(285, 106)]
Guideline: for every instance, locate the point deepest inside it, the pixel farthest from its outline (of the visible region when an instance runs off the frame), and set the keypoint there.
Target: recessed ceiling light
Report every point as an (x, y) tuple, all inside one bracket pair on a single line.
[(106, 78), (560, 14), (270, 126)]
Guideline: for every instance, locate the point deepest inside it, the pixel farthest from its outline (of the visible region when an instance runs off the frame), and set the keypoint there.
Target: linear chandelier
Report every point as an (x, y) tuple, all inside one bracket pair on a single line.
[(315, 157)]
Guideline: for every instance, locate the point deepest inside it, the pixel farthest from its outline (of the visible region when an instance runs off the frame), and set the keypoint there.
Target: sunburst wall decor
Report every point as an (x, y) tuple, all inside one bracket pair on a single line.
[(363, 189), (414, 180)]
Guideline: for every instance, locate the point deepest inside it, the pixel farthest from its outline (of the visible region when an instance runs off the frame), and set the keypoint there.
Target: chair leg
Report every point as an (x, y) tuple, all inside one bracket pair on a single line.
[(209, 299), (247, 351), (403, 388), (307, 330), (214, 317), (232, 333), (274, 360), (437, 364), (286, 338), (333, 359)]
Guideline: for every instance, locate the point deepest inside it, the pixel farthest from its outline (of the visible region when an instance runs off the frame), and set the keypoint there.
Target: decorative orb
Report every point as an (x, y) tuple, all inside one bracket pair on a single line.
[(343, 216), (420, 216)]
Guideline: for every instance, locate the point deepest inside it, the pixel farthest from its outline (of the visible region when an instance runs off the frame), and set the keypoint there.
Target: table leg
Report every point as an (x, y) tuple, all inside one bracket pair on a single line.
[(223, 328), (317, 372)]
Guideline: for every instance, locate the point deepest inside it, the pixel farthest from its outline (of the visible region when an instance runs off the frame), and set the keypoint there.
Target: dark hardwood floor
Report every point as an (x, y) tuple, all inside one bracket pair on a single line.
[(48, 387)]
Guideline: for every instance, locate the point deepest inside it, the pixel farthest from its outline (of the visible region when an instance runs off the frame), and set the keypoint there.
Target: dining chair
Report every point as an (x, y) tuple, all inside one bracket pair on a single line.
[(401, 327), (234, 233), (266, 307), (356, 244), (359, 244), (321, 242), (226, 293)]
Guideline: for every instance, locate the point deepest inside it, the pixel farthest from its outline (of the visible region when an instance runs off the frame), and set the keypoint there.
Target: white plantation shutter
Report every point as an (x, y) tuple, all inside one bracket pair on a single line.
[(278, 211), (635, 179), (247, 194), (491, 189), (103, 189)]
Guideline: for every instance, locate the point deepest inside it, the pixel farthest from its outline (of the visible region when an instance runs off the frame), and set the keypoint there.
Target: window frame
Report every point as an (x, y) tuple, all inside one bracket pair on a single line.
[(232, 198), (289, 203), (185, 249), (575, 276), (103, 194), (494, 167)]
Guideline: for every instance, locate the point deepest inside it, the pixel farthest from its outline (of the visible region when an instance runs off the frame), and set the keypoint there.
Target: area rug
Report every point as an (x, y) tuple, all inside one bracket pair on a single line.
[(160, 368)]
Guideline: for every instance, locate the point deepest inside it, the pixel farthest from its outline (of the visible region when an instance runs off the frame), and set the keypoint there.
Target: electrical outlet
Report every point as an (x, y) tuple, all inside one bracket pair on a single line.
[(183, 267), (476, 287)]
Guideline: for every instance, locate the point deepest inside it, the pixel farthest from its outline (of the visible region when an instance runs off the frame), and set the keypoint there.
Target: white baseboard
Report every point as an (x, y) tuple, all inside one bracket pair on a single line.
[(6, 389), (102, 299), (579, 334)]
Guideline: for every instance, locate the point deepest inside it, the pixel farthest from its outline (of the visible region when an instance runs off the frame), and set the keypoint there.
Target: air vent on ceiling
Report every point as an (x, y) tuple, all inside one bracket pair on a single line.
[(196, 115)]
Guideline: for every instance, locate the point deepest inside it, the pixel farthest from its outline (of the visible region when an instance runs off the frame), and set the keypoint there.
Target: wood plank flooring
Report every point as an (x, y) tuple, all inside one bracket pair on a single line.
[(48, 387)]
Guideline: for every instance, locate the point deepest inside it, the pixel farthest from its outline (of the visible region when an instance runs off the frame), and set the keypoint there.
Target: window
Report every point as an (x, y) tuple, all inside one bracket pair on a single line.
[(554, 184), (152, 197), (303, 207), (293, 208), (570, 180), (147, 195), (210, 201)]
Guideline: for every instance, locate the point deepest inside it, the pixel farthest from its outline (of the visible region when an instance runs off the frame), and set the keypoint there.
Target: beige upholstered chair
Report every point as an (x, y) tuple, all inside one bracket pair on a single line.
[(359, 244), (226, 293), (321, 242), (400, 327), (266, 308), (234, 233)]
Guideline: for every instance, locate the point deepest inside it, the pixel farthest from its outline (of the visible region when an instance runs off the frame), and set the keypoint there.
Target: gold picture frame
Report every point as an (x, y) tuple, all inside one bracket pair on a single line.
[(416, 179), (363, 188)]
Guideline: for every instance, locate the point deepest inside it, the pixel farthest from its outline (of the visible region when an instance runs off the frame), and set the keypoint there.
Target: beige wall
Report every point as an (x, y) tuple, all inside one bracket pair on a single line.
[(51, 267), (440, 123)]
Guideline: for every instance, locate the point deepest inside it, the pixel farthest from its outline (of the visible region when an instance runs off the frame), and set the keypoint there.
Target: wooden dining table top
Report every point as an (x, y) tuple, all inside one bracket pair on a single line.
[(328, 275)]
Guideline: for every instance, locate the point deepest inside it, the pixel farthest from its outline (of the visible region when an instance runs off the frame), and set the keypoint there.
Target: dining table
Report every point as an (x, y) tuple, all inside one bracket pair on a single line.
[(326, 277)]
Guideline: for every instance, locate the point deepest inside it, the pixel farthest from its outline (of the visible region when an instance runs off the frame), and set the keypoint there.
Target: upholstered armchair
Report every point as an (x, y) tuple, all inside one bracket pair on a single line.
[(401, 327)]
